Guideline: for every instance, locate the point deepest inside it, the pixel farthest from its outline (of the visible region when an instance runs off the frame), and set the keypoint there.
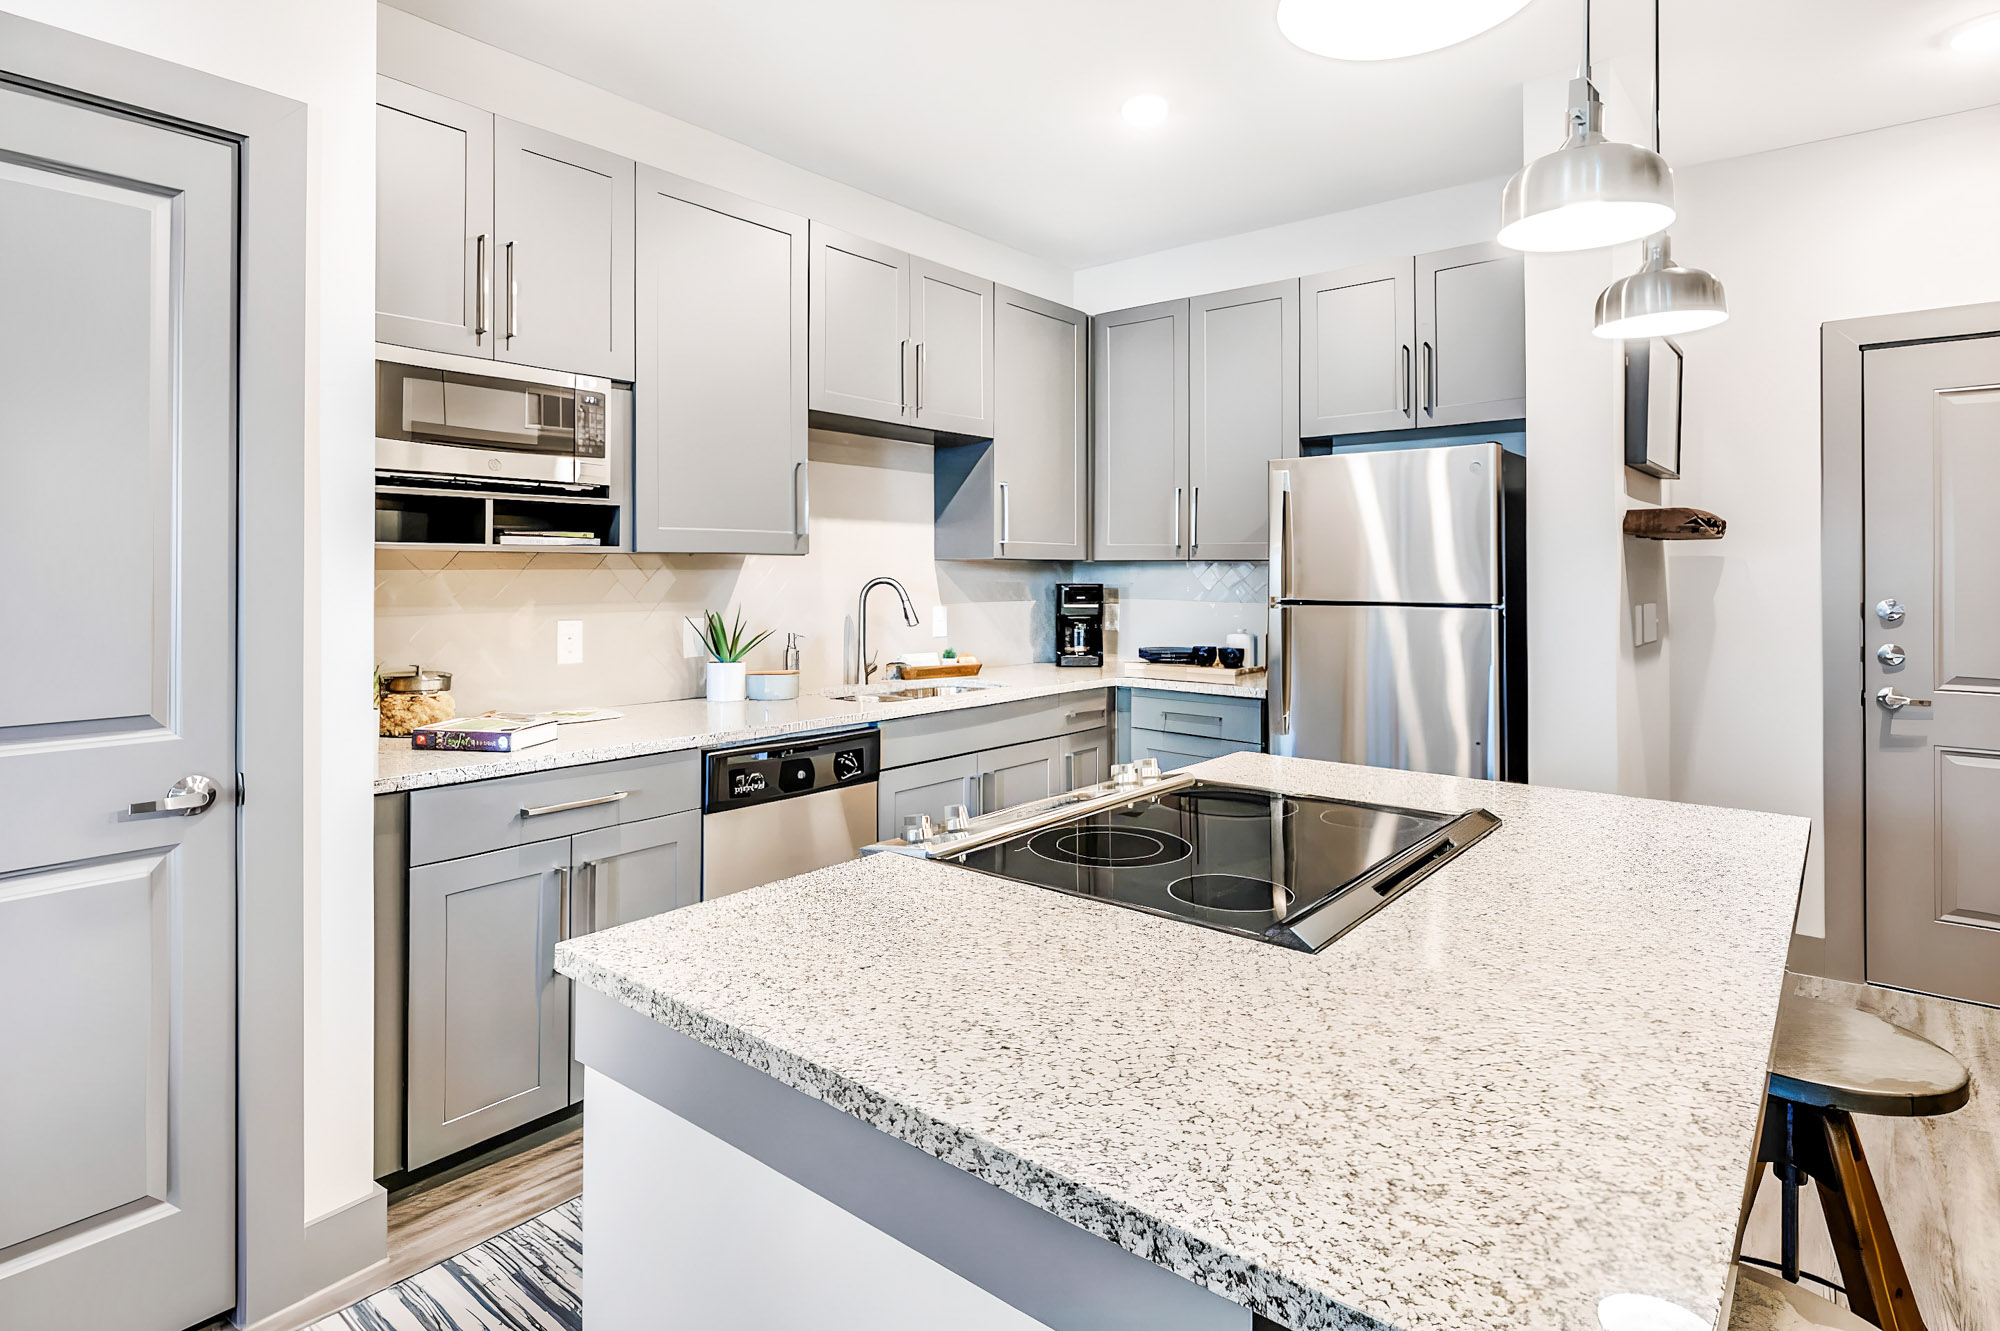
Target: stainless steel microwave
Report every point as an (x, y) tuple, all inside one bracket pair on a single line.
[(440, 417)]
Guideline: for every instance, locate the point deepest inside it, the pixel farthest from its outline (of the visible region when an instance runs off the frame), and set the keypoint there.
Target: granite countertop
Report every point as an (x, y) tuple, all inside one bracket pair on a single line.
[(695, 723), (1531, 1082)]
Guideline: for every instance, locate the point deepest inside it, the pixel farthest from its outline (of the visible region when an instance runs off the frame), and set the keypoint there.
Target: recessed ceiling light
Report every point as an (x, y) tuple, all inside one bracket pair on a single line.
[(1979, 37), (1145, 110), (1643, 1312), (1375, 30)]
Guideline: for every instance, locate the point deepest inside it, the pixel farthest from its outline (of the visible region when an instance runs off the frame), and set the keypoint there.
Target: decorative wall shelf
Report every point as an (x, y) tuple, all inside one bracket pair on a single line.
[(1674, 524)]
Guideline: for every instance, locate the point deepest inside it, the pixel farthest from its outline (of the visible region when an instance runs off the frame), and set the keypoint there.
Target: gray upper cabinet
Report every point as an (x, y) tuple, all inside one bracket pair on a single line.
[(1139, 359), (951, 350), (860, 328), (562, 216), (721, 419), (1472, 336), (434, 239), (1026, 494), (1357, 349), (1243, 412)]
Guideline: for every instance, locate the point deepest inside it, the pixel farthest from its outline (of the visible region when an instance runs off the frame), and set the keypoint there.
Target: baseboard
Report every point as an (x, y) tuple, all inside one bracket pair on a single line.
[(358, 1229), (1808, 956)]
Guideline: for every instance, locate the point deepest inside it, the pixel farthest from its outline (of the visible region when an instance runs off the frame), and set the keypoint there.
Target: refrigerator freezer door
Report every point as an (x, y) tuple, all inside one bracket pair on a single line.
[(1413, 526), (1415, 687)]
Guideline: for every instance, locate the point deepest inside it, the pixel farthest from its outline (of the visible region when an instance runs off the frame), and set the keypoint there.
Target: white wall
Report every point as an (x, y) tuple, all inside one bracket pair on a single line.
[(446, 62), (1439, 220), (322, 54)]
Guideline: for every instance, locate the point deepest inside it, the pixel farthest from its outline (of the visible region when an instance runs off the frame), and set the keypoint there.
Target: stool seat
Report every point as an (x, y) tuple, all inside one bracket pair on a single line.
[(1840, 1058), (1766, 1303)]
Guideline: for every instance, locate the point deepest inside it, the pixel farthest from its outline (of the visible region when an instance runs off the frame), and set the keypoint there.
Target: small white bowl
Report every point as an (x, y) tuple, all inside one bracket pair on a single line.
[(771, 685)]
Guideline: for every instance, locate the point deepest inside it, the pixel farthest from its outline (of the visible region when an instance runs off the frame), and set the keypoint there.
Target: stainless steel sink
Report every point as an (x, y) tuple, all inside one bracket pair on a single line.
[(912, 693)]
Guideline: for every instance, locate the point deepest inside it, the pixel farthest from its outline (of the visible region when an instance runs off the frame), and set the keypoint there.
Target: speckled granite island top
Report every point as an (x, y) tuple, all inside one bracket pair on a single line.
[(695, 723), (1529, 1083)]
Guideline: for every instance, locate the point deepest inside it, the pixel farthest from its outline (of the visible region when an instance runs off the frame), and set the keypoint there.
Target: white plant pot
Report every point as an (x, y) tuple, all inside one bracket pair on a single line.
[(725, 680)]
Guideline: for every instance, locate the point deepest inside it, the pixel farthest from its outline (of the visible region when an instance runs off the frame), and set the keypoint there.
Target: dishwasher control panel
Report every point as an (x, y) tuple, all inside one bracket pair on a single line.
[(750, 774)]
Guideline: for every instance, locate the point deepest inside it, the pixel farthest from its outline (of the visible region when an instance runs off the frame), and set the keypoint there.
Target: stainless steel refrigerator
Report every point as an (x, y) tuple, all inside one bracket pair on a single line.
[(1398, 610)]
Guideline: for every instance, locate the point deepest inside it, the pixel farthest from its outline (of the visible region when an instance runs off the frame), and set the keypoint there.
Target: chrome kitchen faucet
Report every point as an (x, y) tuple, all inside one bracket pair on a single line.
[(862, 667)]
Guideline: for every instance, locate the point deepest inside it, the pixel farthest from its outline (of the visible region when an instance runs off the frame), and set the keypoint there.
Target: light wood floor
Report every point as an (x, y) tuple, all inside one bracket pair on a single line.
[(1939, 1177)]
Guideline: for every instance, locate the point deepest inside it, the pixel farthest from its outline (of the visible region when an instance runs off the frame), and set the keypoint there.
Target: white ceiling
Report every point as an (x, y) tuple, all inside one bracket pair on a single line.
[(1001, 116)]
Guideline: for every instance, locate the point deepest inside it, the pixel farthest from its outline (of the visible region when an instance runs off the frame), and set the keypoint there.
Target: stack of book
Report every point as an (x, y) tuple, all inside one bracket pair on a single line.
[(484, 734)]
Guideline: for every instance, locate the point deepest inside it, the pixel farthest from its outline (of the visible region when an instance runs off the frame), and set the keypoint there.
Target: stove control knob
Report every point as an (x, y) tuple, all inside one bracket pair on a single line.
[(1149, 769), (1125, 774), (957, 818), (918, 828)]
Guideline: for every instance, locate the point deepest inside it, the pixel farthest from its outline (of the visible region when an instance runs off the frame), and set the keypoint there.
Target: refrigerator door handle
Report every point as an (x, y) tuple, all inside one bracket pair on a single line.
[(1281, 652), (1281, 534)]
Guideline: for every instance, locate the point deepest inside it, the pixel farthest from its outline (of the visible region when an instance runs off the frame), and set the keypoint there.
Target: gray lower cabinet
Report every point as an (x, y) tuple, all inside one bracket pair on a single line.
[(951, 350), (1471, 335), (1357, 349), (1020, 774), (1172, 751), (1087, 757), (489, 1024), (1139, 414), (860, 330), (1176, 728), (1243, 412), (562, 214), (925, 788), (434, 243), (720, 462)]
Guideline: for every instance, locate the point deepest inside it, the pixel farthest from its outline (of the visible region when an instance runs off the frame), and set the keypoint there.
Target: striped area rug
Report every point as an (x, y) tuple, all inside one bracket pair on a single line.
[(527, 1279)]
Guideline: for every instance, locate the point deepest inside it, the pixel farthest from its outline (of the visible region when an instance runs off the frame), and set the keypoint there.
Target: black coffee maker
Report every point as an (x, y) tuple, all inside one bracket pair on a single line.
[(1079, 623)]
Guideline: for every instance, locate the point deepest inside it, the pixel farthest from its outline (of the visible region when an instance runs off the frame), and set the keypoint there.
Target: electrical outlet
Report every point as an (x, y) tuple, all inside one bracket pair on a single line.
[(569, 642), (691, 646), (937, 622), (1645, 623)]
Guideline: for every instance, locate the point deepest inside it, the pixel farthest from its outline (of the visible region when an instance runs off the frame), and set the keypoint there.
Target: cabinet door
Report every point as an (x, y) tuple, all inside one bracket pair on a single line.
[(721, 402), (1243, 406), (1139, 359), (563, 214), (1472, 363), (628, 872), (1087, 758), (434, 244), (860, 336), (1020, 774), (488, 1015), (951, 350), (1041, 458), (1172, 751), (904, 792), (1357, 349)]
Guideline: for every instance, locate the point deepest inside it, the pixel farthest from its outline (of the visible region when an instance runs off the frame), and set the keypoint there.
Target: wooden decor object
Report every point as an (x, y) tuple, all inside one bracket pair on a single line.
[(956, 668), (1674, 524)]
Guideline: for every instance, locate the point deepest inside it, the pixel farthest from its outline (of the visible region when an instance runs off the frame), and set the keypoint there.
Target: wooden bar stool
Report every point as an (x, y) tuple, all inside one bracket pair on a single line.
[(1829, 1063), (1766, 1303)]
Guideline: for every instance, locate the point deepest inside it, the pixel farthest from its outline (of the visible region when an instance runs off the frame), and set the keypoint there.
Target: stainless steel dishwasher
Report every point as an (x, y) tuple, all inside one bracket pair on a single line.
[(776, 809)]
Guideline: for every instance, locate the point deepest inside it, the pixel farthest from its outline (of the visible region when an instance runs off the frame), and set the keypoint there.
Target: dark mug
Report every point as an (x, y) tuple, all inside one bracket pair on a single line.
[(1231, 658), (1204, 656)]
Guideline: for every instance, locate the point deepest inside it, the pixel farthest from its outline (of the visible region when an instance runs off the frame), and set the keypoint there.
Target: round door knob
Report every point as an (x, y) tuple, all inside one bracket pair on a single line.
[(1890, 654), (1890, 610)]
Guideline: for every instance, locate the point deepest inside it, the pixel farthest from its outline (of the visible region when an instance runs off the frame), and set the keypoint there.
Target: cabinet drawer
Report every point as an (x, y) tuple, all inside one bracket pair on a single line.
[(1173, 751), (451, 821), (1199, 714), (948, 734)]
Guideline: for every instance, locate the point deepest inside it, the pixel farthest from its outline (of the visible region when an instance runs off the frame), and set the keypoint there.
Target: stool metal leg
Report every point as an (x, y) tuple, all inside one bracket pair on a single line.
[(1871, 1266), (1789, 1175)]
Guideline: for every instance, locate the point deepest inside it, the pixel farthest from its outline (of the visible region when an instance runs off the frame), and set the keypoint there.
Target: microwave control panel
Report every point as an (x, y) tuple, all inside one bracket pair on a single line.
[(589, 425)]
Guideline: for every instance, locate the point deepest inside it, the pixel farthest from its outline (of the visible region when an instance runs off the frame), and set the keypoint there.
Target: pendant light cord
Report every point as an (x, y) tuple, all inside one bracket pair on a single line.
[(1656, 75), (1586, 38)]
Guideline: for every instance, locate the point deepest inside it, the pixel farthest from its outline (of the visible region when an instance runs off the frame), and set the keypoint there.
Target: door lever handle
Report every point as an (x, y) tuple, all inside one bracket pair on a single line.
[(187, 797), (1896, 702)]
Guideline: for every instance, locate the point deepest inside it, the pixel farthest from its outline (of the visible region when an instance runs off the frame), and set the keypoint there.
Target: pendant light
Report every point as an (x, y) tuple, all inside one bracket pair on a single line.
[(1591, 192), (1662, 299)]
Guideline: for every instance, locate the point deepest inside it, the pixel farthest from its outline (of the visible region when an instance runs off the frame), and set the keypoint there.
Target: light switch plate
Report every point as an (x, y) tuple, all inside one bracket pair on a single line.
[(937, 622), (1645, 623), (569, 642)]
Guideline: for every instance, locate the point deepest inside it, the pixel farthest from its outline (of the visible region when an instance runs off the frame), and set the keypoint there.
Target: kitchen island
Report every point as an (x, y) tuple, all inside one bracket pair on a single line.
[(1528, 1084)]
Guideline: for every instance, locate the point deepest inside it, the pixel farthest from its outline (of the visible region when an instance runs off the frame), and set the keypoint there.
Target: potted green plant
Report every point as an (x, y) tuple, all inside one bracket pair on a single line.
[(728, 646)]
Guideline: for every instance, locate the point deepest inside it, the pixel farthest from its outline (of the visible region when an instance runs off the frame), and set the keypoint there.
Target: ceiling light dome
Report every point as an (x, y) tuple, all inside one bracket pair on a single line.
[(1388, 29), (1662, 299), (1589, 193)]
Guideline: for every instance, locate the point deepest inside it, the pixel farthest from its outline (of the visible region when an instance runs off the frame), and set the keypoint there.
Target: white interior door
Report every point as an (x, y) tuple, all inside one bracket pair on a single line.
[(1931, 471), (117, 957)]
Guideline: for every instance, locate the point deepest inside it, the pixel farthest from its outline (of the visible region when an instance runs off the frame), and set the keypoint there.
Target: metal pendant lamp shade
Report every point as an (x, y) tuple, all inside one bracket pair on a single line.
[(1662, 299), (1589, 193)]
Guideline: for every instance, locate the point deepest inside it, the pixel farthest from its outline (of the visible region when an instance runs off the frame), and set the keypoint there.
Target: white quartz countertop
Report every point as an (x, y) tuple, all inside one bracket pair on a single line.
[(695, 723), (1530, 1082)]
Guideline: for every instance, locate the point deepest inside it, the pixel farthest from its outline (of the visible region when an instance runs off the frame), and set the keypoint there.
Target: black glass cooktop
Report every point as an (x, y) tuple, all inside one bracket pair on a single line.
[(1289, 869)]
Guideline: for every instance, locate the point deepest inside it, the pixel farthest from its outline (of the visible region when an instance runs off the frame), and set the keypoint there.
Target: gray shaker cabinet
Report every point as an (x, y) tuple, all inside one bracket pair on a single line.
[(1243, 412), (1139, 364), (434, 243), (1471, 336), (951, 350), (562, 217), (1087, 757), (488, 1015), (721, 419), (1020, 774), (1357, 349), (860, 329), (931, 788)]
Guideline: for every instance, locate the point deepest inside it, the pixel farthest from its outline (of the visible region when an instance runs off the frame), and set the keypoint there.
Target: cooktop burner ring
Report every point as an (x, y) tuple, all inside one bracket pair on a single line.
[(1109, 847), (1239, 805), (1229, 893)]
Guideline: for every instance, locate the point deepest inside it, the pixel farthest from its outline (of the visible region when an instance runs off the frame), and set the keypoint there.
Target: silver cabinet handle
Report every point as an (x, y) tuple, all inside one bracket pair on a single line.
[(482, 279), (1896, 702), (186, 797), (1194, 523), (1281, 534), (1177, 517), (1069, 772), (918, 361), (1097, 715), (802, 501), (562, 902), (1403, 381), (1203, 718), (513, 297), (1430, 382), (902, 374), (1006, 515), (612, 798), (988, 800), (587, 871), (975, 786)]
